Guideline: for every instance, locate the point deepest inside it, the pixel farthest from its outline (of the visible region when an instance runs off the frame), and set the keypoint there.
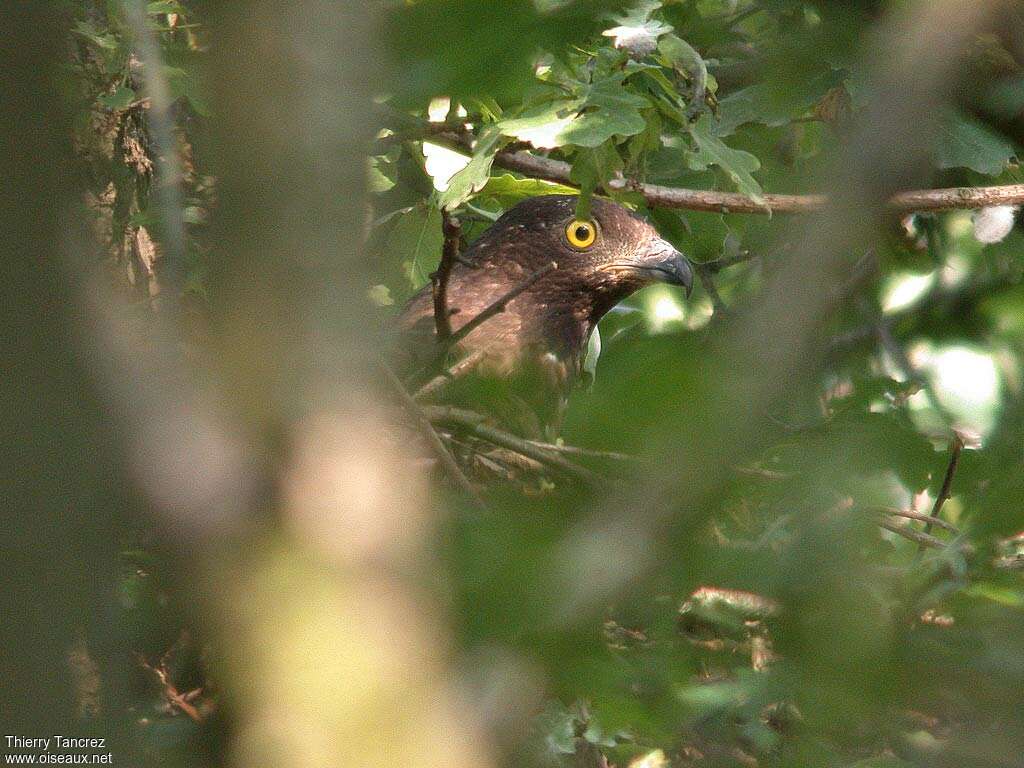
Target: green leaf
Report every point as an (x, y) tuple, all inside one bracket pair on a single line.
[(639, 13), (609, 109), (605, 109), (507, 190), (681, 54), (772, 103), (591, 168), (474, 176), (415, 242), (1005, 98), (186, 84), (556, 726), (477, 48), (997, 593), (737, 164), (542, 126), (701, 236), (965, 143), (754, 104), (103, 40), (618, 322), (119, 100), (684, 57), (380, 175), (611, 93), (591, 129)]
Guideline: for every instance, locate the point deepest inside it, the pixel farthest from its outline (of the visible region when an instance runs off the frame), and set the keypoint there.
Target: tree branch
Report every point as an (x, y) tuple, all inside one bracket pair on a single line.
[(715, 266), (910, 201), (459, 369), (707, 281), (436, 443), (956, 448), (923, 540), (900, 359), (921, 517), (174, 697), (452, 230), (964, 297), (475, 424), (573, 450)]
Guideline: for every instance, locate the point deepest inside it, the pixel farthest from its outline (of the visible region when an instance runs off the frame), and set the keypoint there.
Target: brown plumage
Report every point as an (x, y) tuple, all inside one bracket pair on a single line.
[(536, 346)]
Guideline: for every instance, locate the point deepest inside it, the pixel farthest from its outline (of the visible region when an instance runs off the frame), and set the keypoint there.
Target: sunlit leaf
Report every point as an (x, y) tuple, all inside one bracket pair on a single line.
[(380, 175), (508, 190), (474, 176), (415, 243), (543, 127), (120, 99), (737, 164)]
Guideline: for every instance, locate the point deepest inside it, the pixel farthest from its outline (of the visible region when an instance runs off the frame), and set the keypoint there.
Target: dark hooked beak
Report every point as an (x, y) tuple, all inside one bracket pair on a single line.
[(663, 263)]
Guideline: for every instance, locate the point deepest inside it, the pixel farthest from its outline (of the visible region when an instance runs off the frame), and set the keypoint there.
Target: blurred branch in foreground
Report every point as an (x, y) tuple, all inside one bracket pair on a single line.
[(301, 523), (336, 657), (910, 77), (63, 461)]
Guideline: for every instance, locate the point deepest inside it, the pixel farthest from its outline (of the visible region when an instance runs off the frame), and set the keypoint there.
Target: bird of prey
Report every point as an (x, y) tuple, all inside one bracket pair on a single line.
[(536, 345)]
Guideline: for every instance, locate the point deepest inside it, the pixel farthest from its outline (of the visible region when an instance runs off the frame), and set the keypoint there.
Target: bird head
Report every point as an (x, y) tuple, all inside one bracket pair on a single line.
[(601, 259), (546, 316)]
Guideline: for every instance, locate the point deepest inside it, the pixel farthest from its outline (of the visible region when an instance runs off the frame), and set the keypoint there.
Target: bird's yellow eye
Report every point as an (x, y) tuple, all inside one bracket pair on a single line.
[(581, 234)]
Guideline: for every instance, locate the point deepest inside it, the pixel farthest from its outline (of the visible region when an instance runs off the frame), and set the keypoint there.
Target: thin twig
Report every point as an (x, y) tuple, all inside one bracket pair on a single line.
[(707, 281), (715, 266), (452, 231), (921, 517), (456, 371), (956, 448), (475, 423), (498, 306), (861, 272), (451, 466), (171, 692), (765, 474), (573, 450), (900, 358), (946, 199), (923, 540), (455, 337), (964, 297)]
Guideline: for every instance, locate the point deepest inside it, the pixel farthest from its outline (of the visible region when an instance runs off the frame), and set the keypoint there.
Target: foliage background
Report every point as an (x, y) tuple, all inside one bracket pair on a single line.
[(221, 553)]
